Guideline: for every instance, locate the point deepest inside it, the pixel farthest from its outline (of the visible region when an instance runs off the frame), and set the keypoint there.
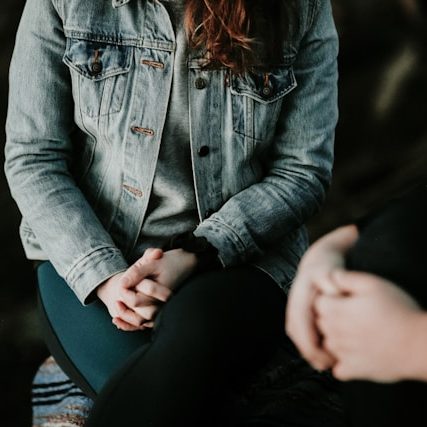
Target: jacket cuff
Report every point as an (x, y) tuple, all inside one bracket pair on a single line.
[(231, 249), (92, 270)]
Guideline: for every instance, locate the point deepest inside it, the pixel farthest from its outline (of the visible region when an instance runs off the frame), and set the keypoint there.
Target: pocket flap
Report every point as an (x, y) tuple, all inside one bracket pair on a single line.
[(265, 86), (97, 60)]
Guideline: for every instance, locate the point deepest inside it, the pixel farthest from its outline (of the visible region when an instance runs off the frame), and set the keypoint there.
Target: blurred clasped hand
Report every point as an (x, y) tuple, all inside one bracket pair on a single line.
[(357, 324)]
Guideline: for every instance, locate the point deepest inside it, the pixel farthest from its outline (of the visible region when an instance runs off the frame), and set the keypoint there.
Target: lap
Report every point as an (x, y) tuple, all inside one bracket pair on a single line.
[(221, 308), (84, 335), (216, 330)]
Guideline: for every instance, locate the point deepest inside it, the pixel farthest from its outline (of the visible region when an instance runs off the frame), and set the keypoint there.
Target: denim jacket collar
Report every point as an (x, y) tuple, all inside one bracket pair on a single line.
[(118, 3)]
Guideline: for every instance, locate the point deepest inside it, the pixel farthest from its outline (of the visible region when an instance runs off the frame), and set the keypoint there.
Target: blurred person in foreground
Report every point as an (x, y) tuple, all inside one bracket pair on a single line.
[(358, 307)]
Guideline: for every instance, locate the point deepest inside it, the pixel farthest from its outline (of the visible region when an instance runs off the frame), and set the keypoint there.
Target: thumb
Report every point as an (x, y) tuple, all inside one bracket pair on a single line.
[(141, 268), (153, 254), (136, 273)]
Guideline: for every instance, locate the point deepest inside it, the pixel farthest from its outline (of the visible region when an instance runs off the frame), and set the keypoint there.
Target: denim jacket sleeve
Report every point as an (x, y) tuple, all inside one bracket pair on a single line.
[(300, 162), (38, 152)]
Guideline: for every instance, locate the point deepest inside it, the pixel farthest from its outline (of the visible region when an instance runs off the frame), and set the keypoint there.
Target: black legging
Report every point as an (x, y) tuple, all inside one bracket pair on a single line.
[(392, 244), (214, 331)]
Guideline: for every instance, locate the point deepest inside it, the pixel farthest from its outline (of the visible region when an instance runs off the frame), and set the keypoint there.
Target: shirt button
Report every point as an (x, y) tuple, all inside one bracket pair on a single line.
[(203, 151), (96, 68), (208, 213), (201, 83)]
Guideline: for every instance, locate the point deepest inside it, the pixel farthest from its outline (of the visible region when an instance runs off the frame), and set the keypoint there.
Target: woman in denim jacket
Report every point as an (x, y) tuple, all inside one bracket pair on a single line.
[(165, 156)]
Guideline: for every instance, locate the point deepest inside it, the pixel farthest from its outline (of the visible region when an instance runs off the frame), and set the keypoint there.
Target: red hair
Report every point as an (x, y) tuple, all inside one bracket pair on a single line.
[(233, 31)]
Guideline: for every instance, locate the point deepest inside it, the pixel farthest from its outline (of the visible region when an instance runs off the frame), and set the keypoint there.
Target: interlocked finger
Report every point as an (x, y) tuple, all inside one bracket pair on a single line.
[(154, 290), (148, 312), (129, 315), (124, 326), (133, 299)]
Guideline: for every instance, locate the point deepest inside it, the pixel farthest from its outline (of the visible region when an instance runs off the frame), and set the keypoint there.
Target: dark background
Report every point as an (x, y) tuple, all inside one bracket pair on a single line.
[(381, 149)]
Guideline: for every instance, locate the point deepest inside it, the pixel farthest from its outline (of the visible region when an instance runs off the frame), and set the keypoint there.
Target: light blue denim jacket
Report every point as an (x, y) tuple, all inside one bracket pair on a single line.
[(89, 89)]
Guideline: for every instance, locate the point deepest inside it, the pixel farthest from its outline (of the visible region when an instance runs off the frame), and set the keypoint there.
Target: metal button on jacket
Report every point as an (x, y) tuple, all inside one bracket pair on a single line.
[(201, 83), (96, 68), (267, 91), (203, 151)]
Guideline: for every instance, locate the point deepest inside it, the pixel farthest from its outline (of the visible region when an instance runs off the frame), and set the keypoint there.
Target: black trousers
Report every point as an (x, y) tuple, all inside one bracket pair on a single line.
[(392, 244), (217, 329)]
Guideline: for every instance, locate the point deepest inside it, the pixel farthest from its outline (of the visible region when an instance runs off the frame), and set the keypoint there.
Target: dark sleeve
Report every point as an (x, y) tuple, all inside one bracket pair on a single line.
[(392, 243)]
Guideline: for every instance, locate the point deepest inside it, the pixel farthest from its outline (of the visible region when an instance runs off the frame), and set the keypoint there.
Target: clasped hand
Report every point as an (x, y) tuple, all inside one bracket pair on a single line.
[(351, 322), (134, 297)]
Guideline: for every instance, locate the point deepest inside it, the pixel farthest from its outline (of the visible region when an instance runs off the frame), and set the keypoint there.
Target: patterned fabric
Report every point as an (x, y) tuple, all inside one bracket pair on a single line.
[(56, 401), (285, 393)]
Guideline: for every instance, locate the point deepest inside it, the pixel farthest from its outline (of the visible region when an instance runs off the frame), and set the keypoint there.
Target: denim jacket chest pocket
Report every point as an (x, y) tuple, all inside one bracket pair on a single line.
[(257, 98), (99, 74)]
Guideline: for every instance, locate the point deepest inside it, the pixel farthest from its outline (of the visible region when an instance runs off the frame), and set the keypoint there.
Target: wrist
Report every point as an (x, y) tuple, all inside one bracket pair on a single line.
[(102, 288), (204, 254), (190, 259)]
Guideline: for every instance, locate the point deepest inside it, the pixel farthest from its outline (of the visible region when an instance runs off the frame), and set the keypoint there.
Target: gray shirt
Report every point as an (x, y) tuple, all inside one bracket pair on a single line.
[(172, 206)]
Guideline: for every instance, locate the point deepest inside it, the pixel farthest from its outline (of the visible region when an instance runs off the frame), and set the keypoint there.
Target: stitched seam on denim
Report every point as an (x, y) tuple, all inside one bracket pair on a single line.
[(223, 224), (81, 112), (108, 38), (82, 261), (313, 12), (120, 40)]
